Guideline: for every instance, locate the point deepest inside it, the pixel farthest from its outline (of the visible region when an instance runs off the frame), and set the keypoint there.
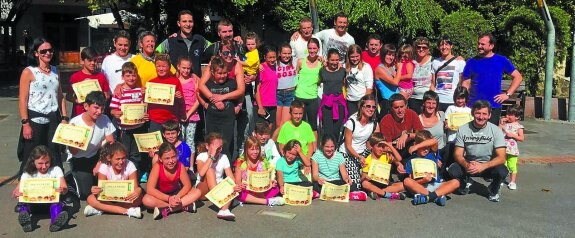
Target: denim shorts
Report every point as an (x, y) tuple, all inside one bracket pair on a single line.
[(285, 97)]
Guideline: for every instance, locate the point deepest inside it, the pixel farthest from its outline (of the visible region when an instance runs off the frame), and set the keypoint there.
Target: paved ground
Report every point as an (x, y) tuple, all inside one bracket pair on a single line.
[(541, 207)]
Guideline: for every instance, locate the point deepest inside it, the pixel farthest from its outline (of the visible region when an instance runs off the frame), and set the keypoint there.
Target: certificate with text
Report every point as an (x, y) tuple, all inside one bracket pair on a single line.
[(39, 190), (336, 193), (159, 93), (133, 114), (259, 181), (148, 141), (457, 119), (297, 195), (74, 136), (81, 89), (379, 171), (422, 167), (115, 191), (223, 193)]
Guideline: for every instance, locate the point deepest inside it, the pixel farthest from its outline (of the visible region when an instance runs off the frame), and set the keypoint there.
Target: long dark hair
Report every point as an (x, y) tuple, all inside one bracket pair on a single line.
[(32, 59), (37, 153)]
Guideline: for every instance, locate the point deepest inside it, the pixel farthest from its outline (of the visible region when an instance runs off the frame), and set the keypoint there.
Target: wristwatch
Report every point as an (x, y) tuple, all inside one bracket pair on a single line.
[(508, 95), (24, 121), (65, 118)]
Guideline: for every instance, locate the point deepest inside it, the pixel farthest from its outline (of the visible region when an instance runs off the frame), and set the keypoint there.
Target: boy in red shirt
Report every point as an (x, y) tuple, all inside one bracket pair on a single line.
[(159, 113), (88, 72)]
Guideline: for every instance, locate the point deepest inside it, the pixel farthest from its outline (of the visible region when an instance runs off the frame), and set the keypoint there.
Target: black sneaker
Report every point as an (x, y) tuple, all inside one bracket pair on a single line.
[(25, 220), (373, 195), (191, 208), (60, 221), (464, 190)]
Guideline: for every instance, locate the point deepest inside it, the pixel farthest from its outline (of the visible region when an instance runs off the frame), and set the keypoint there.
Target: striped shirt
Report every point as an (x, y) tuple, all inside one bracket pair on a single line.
[(129, 96), (328, 168)]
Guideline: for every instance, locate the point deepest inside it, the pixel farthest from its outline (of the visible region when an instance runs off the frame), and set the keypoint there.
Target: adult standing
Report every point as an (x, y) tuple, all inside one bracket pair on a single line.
[(358, 129), (299, 45), (423, 80), (480, 151), (185, 43), (112, 64), (386, 82), (400, 125), (308, 82), (372, 53), (447, 69), (359, 78), (40, 102), (144, 61), (482, 75)]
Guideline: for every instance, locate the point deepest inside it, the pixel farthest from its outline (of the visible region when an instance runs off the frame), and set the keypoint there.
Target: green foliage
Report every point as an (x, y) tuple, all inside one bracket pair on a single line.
[(463, 27), (561, 20), (290, 12)]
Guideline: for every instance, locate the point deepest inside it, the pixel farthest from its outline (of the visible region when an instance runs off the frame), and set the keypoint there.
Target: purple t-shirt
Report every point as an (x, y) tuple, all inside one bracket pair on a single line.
[(268, 84), (486, 75)]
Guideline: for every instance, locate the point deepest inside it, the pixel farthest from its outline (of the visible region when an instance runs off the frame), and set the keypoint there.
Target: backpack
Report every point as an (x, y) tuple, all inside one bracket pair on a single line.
[(341, 139)]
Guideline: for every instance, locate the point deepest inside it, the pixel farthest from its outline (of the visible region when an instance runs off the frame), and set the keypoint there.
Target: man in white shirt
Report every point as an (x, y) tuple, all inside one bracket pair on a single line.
[(299, 45), (112, 64)]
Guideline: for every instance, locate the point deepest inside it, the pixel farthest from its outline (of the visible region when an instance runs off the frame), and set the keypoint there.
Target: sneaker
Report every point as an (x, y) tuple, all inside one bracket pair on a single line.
[(144, 178), (191, 208), (373, 195), (465, 191), (276, 201), (358, 196), (226, 215), (315, 194), (134, 212), (419, 199), (25, 220), (512, 186), (91, 211), (494, 198), (441, 200), (397, 196), (60, 221), (160, 213)]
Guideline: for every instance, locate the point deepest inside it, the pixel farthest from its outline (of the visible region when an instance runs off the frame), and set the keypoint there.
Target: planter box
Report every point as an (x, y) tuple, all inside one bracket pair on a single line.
[(534, 108)]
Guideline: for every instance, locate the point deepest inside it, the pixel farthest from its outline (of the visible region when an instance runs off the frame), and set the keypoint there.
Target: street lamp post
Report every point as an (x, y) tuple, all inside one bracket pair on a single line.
[(549, 59), (313, 12)]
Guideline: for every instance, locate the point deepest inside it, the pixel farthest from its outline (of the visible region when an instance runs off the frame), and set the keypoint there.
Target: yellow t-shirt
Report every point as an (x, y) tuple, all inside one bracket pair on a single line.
[(368, 161), (252, 62), (147, 69)]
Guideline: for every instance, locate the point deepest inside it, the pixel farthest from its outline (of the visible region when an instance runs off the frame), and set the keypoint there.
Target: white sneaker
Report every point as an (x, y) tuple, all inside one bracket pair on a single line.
[(512, 186), (91, 211), (494, 198), (134, 212), (226, 215), (276, 201)]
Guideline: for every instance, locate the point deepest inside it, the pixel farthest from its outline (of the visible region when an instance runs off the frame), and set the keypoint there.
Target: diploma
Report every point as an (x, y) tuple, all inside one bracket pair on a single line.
[(332, 192), (223, 193), (39, 190), (81, 89), (422, 167), (73, 136), (133, 114), (297, 195), (148, 141), (457, 119), (259, 181), (159, 93), (379, 171), (115, 191)]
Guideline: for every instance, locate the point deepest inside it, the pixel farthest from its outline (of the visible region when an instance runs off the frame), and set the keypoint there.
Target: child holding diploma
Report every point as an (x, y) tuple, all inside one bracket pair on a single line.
[(328, 165), (169, 188), (131, 93), (263, 133), (289, 166), (83, 162), (39, 165), (252, 160), (88, 58), (212, 166), (382, 151), (160, 113), (460, 97), (428, 188), (115, 166)]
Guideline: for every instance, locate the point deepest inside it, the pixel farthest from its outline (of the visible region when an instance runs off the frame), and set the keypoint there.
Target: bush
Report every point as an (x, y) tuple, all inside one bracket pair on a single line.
[(463, 27)]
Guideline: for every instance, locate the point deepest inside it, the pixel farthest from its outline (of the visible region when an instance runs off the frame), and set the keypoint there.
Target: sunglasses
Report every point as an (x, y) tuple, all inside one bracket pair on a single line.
[(227, 53), (422, 47), (44, 51), (370, 106)]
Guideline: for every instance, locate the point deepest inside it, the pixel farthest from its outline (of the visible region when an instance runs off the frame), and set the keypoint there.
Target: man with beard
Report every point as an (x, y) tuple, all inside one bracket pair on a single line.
[(371, 54), (299, 45)]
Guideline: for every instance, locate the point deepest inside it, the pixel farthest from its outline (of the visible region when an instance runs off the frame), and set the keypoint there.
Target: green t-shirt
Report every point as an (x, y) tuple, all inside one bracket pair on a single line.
[(303, 133)]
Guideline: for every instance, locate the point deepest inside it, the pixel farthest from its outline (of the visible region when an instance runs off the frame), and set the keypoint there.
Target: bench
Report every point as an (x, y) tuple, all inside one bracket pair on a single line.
[(517, 98)]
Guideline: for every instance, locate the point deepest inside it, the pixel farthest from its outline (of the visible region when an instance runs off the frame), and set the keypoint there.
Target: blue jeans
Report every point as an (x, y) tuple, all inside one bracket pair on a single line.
[(285, 97)]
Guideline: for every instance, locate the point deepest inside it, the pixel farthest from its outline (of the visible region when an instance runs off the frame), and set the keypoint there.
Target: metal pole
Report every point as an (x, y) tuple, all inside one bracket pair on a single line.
[(572, 82), (549, 60), (313, 12)]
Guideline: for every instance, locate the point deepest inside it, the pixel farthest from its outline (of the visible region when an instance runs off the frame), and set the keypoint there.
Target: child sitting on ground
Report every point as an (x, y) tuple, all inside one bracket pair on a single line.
[(427, 188), (289, 167)]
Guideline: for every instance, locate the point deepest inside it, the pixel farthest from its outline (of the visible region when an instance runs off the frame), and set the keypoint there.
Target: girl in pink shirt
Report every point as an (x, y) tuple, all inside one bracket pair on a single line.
[(266, 88), (190, 89), (406, 67)]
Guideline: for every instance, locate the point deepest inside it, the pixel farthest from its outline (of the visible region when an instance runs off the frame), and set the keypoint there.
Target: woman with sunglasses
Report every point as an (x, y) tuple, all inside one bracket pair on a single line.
[(222, 89), (423, 77), (356, 133), (41, 103), (359, 79)]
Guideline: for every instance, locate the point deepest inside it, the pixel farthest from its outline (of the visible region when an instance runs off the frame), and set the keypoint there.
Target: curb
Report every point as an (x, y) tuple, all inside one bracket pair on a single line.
[(548, 160)]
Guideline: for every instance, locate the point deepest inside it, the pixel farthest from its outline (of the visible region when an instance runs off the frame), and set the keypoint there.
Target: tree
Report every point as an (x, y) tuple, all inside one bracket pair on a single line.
[(463, 27)]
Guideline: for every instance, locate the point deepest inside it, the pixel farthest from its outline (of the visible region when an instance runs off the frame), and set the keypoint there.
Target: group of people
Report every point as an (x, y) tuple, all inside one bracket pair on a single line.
[(262, 108)]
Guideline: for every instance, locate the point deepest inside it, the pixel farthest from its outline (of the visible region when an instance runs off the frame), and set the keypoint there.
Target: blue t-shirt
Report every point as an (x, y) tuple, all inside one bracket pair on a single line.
[(486, 75), (433, 156), (290, 172), (385, 89), (184, 154)]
